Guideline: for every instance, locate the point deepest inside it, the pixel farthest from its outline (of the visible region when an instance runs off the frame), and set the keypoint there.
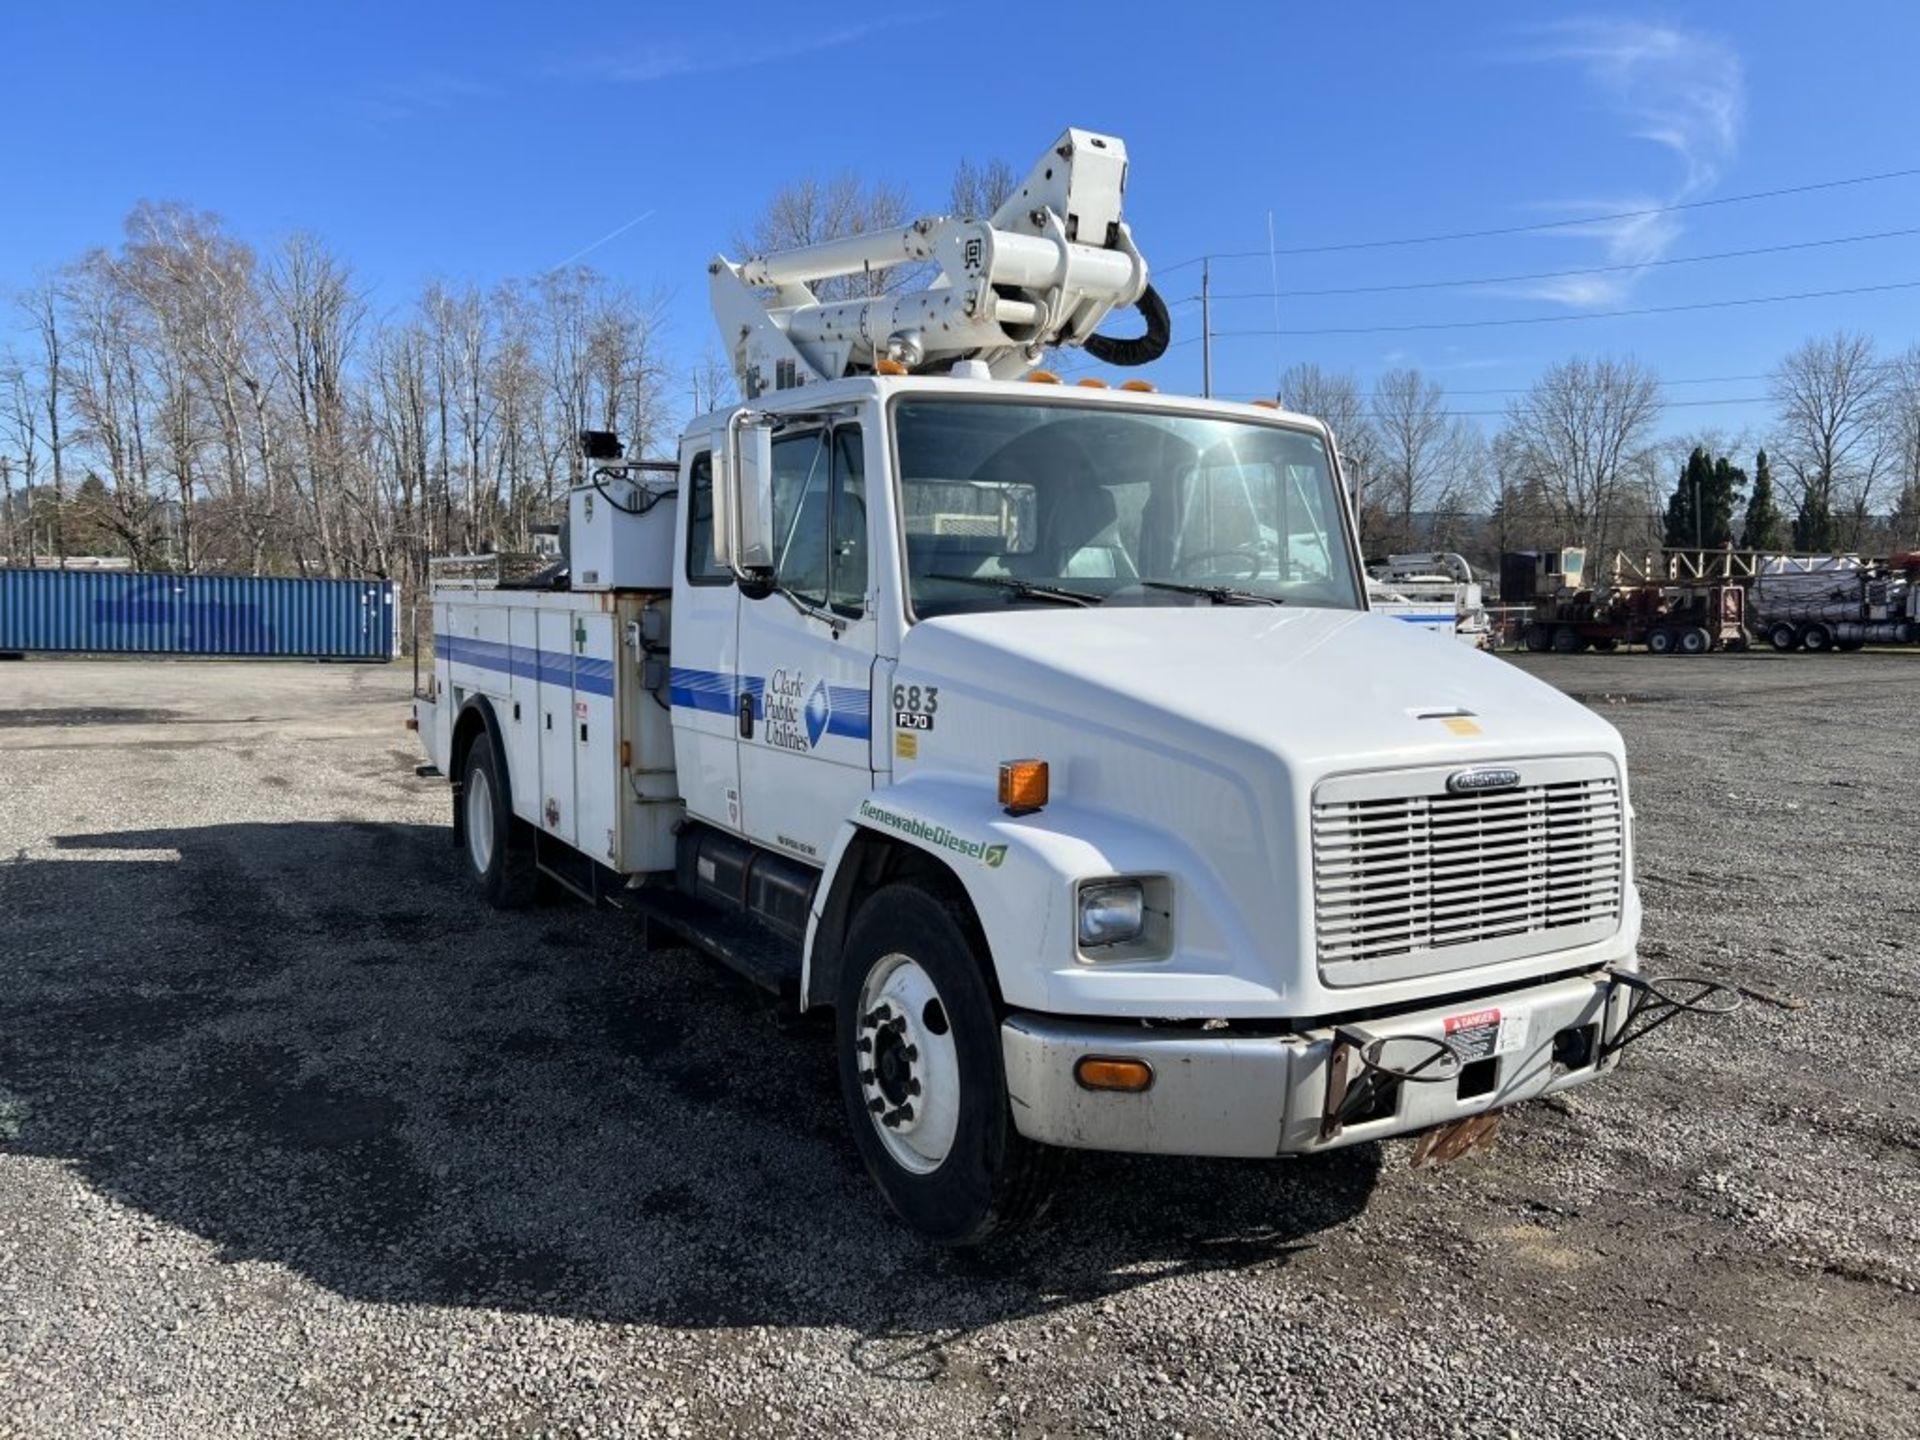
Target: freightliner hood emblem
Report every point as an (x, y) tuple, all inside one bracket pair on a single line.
[(1471, 782)]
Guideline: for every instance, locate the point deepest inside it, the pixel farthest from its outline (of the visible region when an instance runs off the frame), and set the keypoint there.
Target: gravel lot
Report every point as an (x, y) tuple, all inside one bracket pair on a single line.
[(296, 1140)]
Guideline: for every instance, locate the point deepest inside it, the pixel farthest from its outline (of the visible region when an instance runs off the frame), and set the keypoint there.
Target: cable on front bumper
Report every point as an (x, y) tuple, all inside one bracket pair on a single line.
[(1351, 1097), (1655, 1002)]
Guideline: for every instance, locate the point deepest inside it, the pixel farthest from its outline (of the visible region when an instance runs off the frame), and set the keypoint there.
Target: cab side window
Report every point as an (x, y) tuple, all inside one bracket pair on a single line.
[(820, 518), (703, 567)]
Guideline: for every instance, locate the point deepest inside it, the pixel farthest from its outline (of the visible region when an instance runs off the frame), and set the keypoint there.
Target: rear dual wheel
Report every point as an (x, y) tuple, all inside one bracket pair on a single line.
[(499, 849)]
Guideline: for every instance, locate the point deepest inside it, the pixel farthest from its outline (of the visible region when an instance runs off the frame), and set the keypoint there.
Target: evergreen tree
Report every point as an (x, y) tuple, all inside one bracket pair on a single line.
[(1762, 528), (1700, 510), (1813, 525), (1718, 501), (1683, 520)]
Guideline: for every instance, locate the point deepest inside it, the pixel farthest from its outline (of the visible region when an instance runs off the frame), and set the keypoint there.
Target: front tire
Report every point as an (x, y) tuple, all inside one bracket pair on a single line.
[(1783, 637), (918, 1035), (499, 854)]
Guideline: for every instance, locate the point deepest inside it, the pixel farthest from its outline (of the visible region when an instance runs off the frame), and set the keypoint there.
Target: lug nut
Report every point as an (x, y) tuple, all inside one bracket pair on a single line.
[(912, 1052), (866, 1077), (876, 1105)]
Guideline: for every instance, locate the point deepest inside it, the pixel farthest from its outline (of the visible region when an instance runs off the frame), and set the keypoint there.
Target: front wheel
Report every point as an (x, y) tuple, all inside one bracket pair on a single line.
[(1783, 637), (921, 1071)]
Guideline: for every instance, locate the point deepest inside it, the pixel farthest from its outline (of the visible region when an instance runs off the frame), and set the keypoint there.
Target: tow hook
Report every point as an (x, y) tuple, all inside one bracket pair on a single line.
[(1656, 1001)]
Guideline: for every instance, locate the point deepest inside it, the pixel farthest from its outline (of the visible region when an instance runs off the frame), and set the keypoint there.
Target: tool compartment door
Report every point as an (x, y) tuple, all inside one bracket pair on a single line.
[(555, 663), (596, 738)]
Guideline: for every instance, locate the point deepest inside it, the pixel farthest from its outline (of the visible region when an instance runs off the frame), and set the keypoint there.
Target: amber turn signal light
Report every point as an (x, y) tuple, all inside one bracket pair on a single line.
[(1023, 786), (1097, 1072)]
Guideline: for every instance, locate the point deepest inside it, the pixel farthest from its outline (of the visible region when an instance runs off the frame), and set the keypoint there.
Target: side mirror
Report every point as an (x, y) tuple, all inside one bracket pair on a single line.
[(749, 512)]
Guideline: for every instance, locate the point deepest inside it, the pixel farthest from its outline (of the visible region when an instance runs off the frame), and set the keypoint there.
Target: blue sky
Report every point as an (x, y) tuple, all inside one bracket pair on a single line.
[(482, 141)]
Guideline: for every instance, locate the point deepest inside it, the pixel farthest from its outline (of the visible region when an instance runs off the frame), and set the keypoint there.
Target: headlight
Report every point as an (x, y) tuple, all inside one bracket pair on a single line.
[(1112, 912)]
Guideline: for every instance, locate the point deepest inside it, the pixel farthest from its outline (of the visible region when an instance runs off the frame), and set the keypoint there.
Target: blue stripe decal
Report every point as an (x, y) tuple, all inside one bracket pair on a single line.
[(1427, 619), (708, 690), (595, 677), (718, 692)]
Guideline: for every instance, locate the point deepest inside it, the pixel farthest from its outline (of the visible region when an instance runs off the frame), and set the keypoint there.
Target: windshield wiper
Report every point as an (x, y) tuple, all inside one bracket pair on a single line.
[(1024, 589), (1218, 594)]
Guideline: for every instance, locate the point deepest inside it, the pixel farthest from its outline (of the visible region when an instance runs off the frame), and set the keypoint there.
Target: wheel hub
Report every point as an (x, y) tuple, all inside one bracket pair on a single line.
[(909, 1067)]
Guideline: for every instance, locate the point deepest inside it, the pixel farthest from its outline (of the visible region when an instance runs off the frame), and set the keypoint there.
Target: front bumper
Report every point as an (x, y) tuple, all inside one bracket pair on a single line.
[(1222, 1092)]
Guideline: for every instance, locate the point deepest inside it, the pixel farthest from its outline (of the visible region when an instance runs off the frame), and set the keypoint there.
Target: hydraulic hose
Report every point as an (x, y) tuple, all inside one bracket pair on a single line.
[(1138, 349)]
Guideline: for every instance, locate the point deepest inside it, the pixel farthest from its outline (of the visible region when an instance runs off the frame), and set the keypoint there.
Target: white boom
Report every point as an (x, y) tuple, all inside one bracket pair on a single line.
[(1045, 270)]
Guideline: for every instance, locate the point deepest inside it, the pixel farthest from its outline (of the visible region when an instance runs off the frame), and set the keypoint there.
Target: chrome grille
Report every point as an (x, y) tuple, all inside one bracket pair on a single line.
[(1403, 883)]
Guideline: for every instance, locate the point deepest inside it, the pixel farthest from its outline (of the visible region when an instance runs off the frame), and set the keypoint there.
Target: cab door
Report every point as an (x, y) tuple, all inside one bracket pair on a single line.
[(806, 648), (704, 679)]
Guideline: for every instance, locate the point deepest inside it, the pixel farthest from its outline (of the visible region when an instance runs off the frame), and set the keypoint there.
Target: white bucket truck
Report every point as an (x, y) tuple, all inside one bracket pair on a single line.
[(1042, 733)]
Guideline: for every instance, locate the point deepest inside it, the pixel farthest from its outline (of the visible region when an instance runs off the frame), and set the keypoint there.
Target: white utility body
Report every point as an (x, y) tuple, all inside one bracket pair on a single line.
[(1432, 590), (1043, 733)]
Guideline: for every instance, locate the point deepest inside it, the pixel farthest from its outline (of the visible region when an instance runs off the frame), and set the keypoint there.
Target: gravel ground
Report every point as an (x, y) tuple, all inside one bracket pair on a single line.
[(296, 1140)]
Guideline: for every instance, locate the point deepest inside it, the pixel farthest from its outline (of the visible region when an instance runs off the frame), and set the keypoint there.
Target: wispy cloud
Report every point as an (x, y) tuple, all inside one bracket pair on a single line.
[(1681, 90), (666, 62), (414, 96)]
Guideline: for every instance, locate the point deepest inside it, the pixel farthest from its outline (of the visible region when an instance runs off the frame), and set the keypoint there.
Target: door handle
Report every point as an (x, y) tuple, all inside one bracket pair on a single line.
[(746, 717)]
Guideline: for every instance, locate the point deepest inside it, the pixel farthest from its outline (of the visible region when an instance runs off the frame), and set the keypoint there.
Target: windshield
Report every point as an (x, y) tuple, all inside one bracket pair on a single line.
[(1018, 504)]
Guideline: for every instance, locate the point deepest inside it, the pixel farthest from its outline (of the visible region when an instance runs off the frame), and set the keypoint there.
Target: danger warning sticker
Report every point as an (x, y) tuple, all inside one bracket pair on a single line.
[(1474, 1035), (1481, 1033)]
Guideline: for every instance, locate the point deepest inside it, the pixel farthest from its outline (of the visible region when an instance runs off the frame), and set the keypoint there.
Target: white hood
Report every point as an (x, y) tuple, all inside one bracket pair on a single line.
[(1320, 689)]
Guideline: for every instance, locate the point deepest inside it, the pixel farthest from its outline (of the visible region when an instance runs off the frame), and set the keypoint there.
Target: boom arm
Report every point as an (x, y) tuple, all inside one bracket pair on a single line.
[(1045, 270)]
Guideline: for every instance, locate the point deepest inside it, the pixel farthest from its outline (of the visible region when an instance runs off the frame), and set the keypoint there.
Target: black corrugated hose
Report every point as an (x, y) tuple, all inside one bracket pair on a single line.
[(1139, 349)]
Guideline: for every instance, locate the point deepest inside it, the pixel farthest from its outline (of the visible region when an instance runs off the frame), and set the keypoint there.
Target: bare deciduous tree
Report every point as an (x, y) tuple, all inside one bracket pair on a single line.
[(1582, 434), (1829, 435), (1423, 456), (1900, 424), (979, 190)]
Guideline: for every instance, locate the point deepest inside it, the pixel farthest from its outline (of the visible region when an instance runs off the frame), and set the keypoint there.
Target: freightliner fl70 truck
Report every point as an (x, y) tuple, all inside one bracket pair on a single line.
[(1041, 732)]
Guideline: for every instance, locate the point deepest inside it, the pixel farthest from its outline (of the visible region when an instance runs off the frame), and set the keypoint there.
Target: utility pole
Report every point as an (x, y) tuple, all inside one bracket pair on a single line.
[(1206, 327)]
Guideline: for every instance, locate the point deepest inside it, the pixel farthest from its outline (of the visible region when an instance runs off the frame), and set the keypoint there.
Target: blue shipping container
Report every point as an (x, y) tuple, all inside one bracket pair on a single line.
[(122, 612)]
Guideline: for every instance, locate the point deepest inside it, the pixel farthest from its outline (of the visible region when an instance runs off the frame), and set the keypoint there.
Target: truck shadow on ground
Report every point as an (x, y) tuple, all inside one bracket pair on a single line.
[(307, 1044)]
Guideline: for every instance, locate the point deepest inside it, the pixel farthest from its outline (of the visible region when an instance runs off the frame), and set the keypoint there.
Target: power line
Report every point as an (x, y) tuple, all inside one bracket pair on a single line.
[(1551, 225), (1561, 274), (1665, 404), (1579, 315), (1664, 380)]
